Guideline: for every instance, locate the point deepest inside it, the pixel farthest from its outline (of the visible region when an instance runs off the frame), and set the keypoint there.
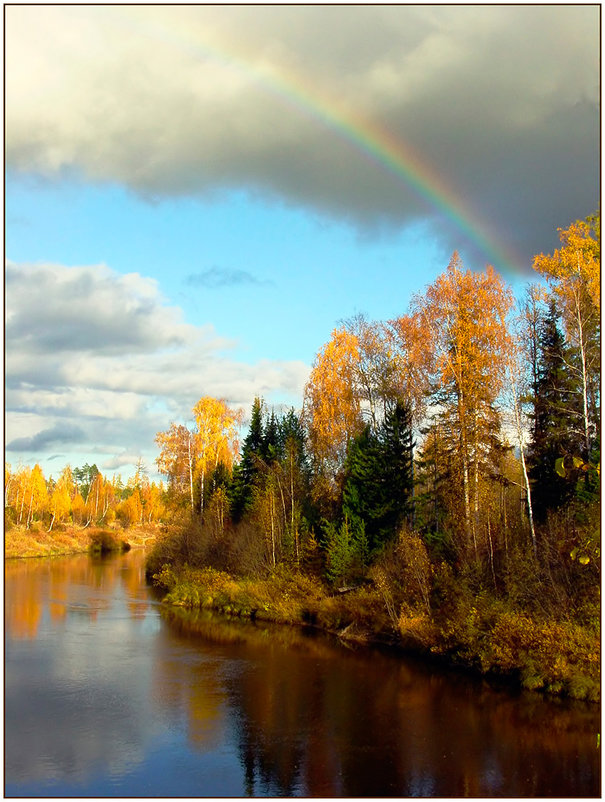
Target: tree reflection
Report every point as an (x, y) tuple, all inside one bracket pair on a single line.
[(23, 606), (316, 720), (301, 714), (77, 586)]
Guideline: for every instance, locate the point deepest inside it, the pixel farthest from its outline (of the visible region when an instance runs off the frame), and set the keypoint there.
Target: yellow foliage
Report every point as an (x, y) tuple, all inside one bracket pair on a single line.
[(331, 405), (576, 266)]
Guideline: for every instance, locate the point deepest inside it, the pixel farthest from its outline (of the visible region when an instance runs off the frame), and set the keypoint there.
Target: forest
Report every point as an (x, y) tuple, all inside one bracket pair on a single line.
[(81, 497), (440, 485)]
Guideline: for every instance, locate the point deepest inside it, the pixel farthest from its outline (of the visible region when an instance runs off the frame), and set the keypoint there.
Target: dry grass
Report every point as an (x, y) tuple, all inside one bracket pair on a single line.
[(38, 542), (283, 597)]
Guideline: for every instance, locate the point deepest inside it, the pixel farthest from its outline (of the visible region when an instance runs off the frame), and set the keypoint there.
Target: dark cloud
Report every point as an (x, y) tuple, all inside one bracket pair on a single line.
[(498, 103), (217, 277), (61, 433)]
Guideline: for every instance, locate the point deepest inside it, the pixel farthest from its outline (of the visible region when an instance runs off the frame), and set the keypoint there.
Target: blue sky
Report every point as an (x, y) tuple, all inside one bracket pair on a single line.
[(175, 228), (273, 278)]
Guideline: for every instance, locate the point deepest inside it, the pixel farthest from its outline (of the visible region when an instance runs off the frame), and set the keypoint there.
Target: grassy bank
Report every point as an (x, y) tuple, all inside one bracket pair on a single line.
[(38, 542), (478, 633), (282, 597)]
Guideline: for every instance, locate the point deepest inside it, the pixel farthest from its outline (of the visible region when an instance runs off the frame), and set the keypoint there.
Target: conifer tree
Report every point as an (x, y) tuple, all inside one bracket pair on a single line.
[(573, 273), (396, 452), (361, 492), (463, 316), (291, 429), (347, 550), (379, 483), (556, 420), (271, 440), (245, 474), (433, 476)]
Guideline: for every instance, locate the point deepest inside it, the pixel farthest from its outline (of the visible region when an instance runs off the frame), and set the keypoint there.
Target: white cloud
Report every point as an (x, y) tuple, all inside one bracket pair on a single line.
[(59, 311), (102, 370)]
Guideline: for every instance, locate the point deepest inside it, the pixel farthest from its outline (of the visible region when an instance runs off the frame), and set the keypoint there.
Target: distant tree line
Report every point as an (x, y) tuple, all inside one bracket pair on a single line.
[(80, 496)]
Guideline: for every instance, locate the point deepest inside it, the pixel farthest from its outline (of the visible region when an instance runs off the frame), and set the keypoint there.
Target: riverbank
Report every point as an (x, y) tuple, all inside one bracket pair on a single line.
[(20, 542), (483, 635)]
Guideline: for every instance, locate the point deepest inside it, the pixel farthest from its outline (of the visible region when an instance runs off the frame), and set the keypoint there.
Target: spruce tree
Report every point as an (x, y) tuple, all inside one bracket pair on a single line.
[(433, 475), (379, 477), (245, 474), (555, 420), (361, 492), (271, 441), (396, 447), (291, 431)]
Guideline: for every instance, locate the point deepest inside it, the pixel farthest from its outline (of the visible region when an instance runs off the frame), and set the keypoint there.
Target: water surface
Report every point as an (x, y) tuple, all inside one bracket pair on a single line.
[(109, 694)]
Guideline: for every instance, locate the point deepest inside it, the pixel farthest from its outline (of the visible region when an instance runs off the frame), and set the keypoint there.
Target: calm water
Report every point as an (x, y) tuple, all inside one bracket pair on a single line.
[(108, 694)]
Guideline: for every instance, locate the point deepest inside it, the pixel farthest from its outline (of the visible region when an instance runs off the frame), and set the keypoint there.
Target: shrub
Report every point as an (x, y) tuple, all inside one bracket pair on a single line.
[(103, 541), (403, 574)]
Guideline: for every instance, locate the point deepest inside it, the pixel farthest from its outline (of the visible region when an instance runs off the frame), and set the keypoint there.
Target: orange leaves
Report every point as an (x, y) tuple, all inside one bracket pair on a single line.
[(60, 503), (412, 359), (573, 272), (26, 493), (576, 264), (331, 406), (461, 332), (185, 453), (38, 495), (175, 454), (216, 437)]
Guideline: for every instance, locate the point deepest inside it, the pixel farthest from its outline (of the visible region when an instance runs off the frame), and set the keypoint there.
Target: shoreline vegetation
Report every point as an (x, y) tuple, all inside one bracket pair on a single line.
[(474, 632), (478, 634), (65, 539)]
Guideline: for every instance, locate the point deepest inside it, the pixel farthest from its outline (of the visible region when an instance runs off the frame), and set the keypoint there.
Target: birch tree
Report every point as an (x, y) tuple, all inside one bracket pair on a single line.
[(177, 458), (215, 438), (573, 273), (462, 315)]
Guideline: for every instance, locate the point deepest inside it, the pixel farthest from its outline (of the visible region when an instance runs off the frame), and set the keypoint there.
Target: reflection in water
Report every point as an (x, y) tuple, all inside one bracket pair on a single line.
[(78, 585), (318, 720), (70, 704), (109, 694)]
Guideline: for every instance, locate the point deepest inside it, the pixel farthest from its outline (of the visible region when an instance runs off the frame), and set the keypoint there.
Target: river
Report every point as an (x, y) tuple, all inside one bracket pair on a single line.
[(109, 693)]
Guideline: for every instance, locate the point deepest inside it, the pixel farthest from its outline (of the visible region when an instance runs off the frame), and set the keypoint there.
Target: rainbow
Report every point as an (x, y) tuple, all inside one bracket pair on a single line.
[(377, 144)]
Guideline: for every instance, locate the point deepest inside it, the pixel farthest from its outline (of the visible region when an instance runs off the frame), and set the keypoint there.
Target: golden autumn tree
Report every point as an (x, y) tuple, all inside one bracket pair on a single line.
[(151, 500), (462, 317), (573, 274), (8, 481), (60, 500), (215, 438), (413, 361), (355, 379), (130, 509), (332, 406), (99, 496), (190, 457), (177, 458), (37, 495), (19, 482), (78, 508)]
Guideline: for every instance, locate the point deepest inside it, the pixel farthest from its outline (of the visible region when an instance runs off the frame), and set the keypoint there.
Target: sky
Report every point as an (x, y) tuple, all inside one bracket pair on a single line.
[(196, 196)]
